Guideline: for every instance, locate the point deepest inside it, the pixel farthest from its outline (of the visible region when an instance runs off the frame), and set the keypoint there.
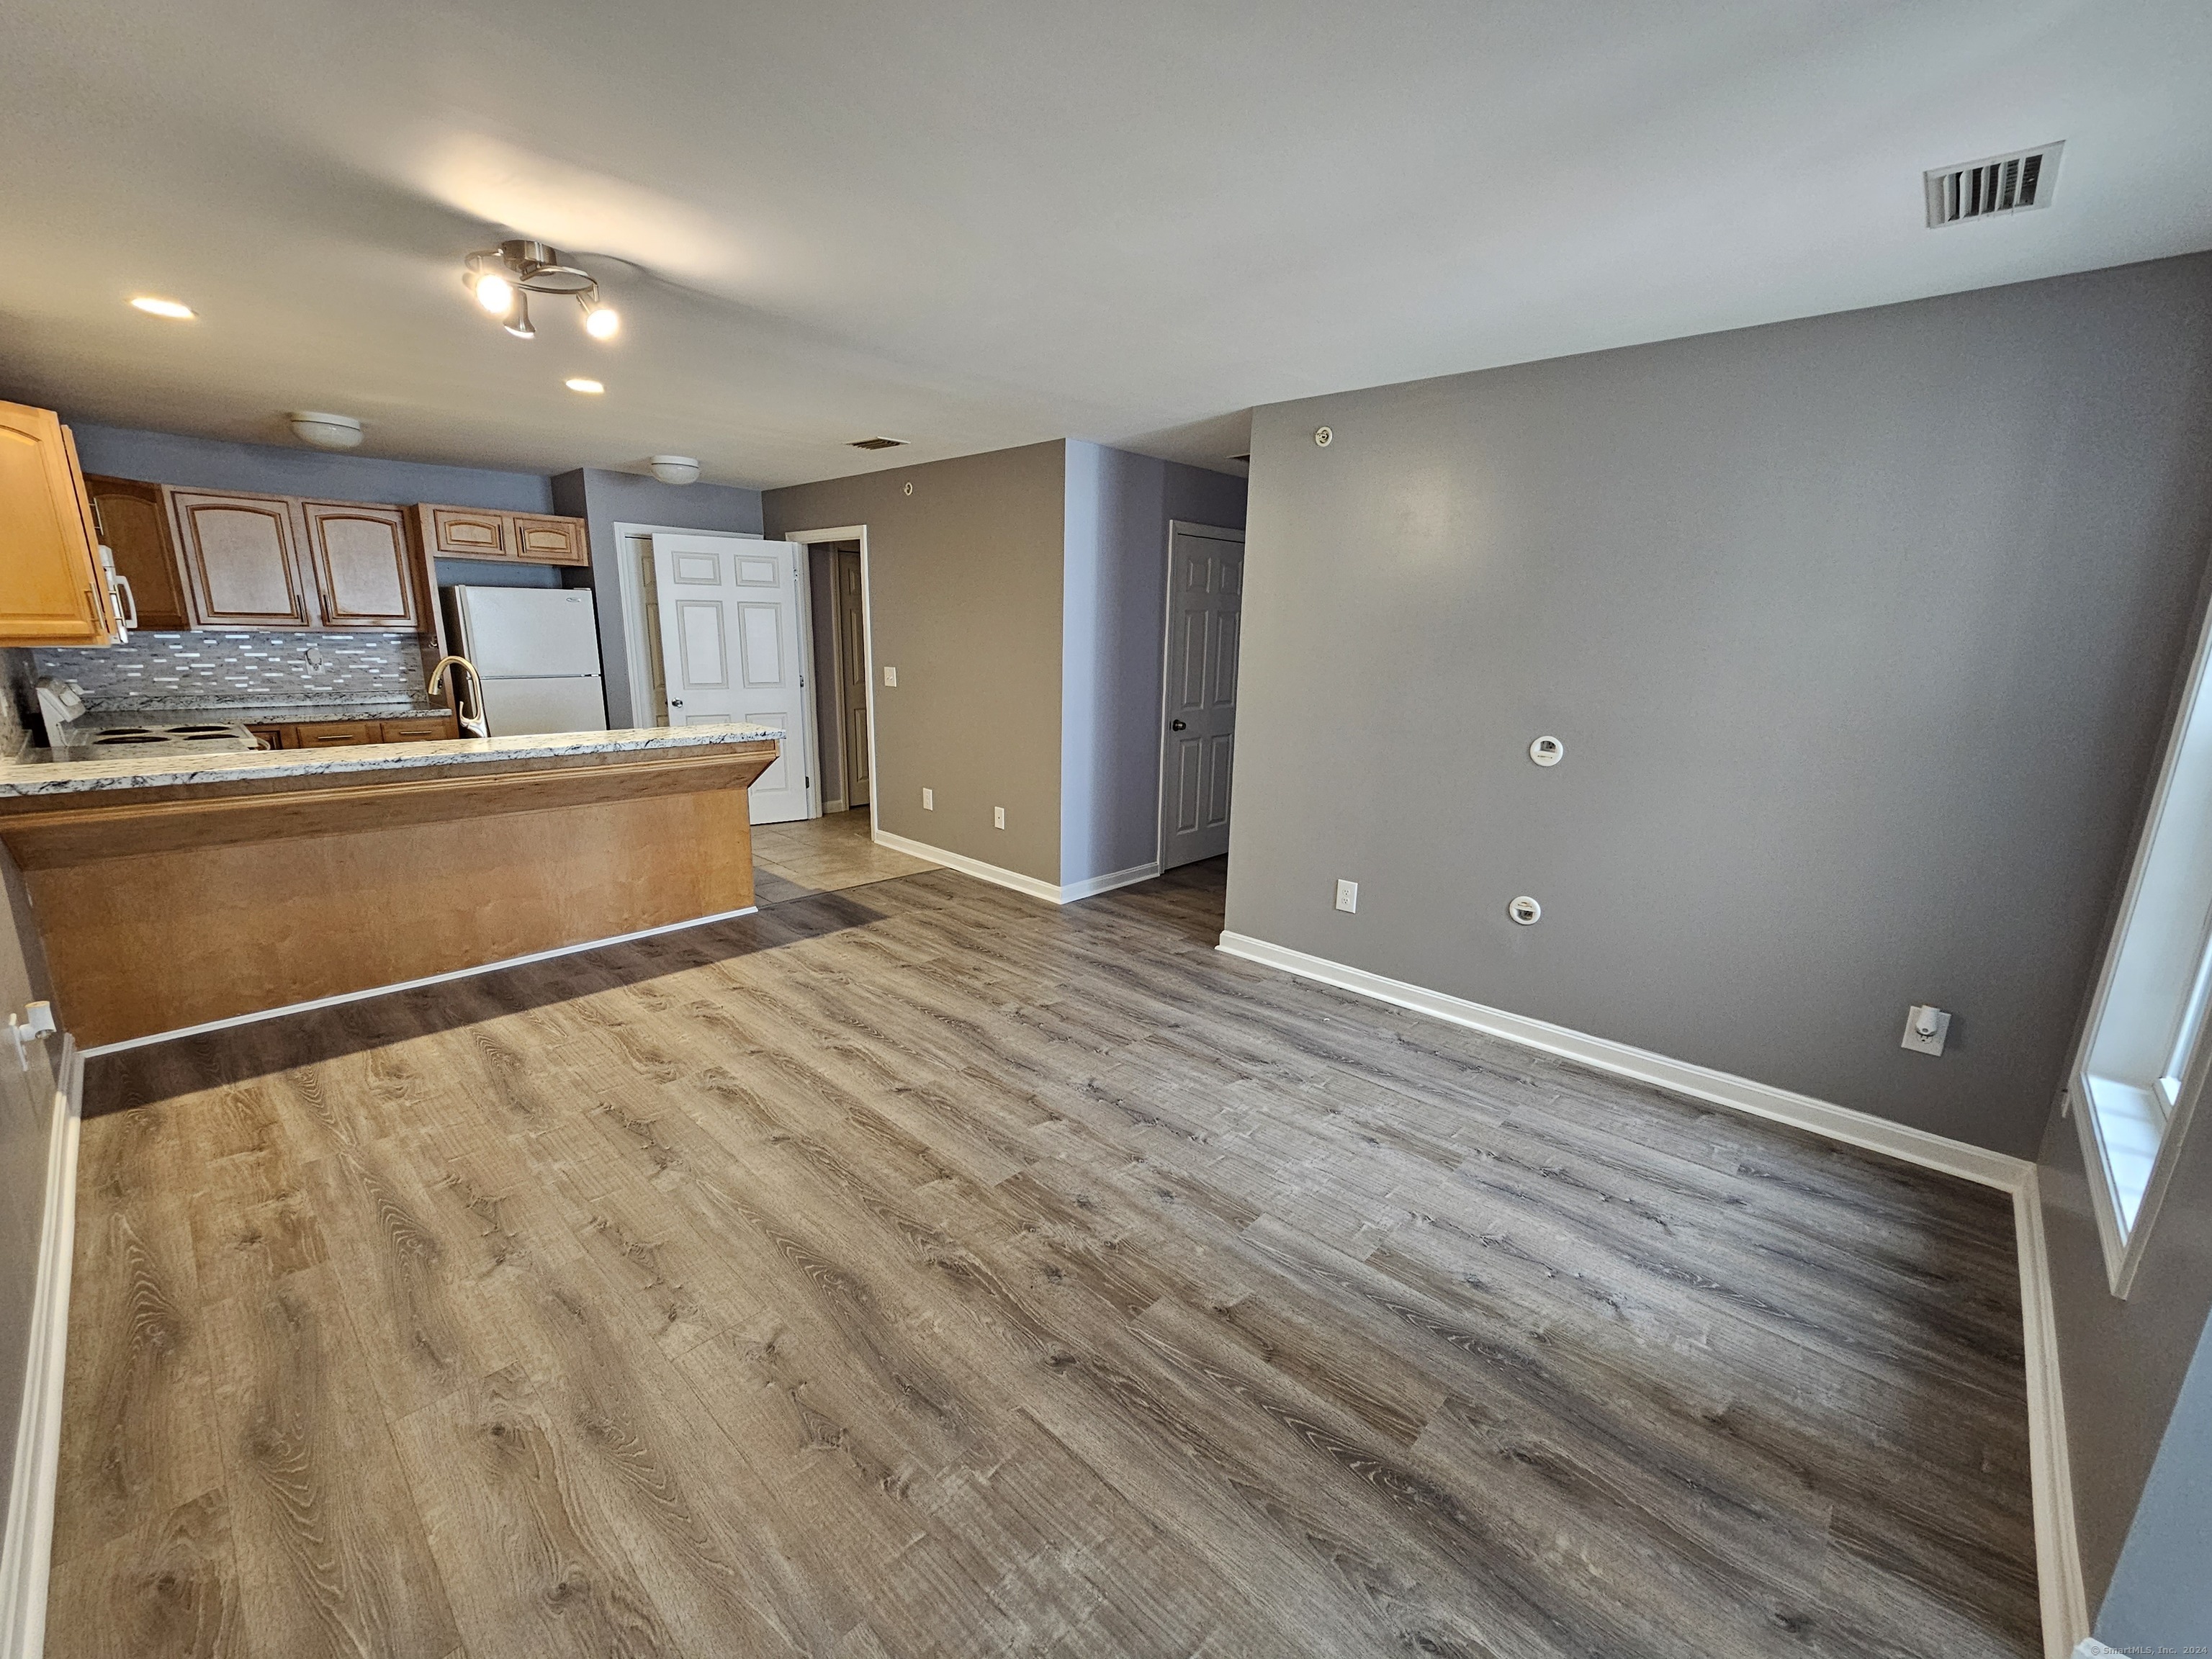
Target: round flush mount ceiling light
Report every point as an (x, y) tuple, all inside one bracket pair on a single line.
[(589, 388), (154, 305), (675, 469), (326, 431), (504, 277)]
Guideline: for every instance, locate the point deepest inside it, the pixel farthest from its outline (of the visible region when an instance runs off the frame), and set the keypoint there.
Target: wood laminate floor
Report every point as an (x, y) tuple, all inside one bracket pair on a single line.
[(921, 1269), (823, 855)]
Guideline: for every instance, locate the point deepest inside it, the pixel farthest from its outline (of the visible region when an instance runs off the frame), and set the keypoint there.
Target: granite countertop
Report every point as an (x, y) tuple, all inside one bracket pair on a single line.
[(33, 773)]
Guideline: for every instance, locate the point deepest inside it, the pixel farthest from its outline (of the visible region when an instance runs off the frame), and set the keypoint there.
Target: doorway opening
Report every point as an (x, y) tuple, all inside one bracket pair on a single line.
[(842, 693), (1198, 691)]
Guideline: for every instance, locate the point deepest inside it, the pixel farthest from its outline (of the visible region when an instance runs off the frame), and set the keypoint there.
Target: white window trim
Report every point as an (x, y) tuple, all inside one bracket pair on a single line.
[(2106, 1113)]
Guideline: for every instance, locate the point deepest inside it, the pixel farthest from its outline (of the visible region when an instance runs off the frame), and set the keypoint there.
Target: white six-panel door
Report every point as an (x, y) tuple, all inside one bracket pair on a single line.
[(1198, 747), (731, 616)]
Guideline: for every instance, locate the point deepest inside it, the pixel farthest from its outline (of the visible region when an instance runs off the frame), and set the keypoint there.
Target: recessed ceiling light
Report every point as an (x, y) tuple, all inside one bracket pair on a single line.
[(580, 383), (159, 308)]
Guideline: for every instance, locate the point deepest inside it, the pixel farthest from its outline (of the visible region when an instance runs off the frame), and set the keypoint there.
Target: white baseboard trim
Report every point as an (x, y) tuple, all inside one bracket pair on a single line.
[(1094, 885), (1739, 1094), (836, 805), (1035, 886), (344, 997), (27, 1557), (2051, 1466), (2057, 1550)]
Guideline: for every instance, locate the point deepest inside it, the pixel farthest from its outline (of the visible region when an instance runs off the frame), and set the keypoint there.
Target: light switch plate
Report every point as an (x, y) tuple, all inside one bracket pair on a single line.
[(997, 817), (891, 675), (1925, 1028), (929, 801), (1347, 896)]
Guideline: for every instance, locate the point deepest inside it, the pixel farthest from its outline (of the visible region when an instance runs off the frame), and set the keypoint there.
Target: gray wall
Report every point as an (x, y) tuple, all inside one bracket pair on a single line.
[(964, 582), (1112, 627), (2160, 1600), (604, 499), (1858, 630)]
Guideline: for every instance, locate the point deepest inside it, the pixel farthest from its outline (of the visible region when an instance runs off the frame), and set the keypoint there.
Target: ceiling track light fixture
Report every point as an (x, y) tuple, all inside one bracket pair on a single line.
[(503, 279)]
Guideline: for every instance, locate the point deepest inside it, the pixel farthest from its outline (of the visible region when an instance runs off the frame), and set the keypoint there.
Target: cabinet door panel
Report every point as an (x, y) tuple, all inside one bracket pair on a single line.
[(50, 579), (468, 533), (428, 729), (241, 562), (273, 737), (133, 520), (363, 566), (545, 540)]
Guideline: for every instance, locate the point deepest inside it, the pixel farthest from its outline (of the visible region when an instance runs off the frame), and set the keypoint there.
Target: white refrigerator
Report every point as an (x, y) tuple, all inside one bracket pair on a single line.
[(537, 652)]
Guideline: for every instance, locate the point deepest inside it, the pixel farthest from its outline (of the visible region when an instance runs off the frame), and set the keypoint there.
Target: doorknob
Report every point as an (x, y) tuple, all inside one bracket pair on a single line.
[(1176, 726), (676, 702)]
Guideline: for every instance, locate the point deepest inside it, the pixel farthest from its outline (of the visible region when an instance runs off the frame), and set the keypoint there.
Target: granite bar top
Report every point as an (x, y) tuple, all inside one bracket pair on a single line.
[(33, 774)]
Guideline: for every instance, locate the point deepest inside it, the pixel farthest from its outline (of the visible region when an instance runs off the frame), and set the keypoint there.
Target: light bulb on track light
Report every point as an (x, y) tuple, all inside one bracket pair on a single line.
[(495, 294), (600, 322)]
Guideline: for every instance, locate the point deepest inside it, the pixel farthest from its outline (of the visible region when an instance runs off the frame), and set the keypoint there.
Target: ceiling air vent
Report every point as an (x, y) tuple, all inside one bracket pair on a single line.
[(2003, 184), (877, 443)]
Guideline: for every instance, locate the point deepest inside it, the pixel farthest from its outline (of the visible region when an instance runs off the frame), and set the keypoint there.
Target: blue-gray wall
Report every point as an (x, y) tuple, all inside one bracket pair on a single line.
[(1113, 623), (211, 464), (1860, 633)]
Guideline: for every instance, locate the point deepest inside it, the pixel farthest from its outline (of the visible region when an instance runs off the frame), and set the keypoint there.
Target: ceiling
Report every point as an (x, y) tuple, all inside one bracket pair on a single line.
[(983, 224)]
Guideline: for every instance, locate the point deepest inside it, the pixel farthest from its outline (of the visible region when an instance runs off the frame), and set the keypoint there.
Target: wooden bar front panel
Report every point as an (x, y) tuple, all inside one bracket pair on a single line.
[(159, 940)]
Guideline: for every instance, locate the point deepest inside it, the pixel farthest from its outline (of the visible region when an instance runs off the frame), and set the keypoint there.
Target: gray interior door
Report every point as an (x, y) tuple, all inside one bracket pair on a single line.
[(1198, 745)]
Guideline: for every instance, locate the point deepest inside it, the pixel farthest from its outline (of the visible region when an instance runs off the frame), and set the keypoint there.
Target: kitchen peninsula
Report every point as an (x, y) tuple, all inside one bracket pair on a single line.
[(174, 891)]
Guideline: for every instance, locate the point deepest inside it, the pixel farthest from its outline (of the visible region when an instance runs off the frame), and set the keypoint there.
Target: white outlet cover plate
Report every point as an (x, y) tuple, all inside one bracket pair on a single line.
[(1347, 896), (1921, 1014), (929, 801), (891, 675)]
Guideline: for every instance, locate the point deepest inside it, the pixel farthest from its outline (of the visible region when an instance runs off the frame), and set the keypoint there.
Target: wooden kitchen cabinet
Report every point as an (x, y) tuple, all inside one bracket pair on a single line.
[(332, 734), (429, 729), (134, 525), (273, 737), (365, 574), (474, 532), (465, 533), (543, 540), (53, 590), (241, 559)]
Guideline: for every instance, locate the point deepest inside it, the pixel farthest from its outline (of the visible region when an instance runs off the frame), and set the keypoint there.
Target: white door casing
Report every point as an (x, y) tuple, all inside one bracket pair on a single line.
[(1198, 717), (733, 635)]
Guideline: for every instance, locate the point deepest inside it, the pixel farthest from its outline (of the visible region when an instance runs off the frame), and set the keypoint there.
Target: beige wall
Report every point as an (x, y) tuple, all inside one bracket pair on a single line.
[(965, 589)]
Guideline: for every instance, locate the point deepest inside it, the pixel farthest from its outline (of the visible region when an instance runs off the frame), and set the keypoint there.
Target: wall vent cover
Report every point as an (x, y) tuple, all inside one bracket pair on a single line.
[(877, 443), (2001, 184)]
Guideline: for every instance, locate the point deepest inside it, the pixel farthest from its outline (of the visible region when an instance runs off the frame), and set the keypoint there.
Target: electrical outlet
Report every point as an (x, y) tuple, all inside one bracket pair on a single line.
[(929, 801), (997, 817), (1925, 1029), (891, 676), (1347, 896)]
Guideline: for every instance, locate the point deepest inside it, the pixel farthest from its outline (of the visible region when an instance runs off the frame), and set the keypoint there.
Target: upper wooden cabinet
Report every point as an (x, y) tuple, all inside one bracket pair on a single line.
[(52, 589), (241, 559), (476, 532), (465, 533), (545, 540), (133, 522), (365, 572)]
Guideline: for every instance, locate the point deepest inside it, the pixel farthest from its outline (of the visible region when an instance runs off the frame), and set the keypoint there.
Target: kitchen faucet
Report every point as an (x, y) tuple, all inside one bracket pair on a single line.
[(471, 724)]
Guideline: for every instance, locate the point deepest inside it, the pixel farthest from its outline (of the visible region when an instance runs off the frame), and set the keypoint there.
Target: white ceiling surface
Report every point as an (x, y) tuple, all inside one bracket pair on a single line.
[(987, 224)]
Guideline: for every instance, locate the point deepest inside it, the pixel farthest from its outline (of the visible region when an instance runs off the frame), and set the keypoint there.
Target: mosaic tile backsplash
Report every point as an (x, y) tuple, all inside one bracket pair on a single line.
[(211, 668)]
